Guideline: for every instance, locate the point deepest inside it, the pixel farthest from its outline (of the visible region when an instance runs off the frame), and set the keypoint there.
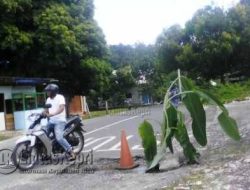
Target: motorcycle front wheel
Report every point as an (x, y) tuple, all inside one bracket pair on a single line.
[(24, 157)]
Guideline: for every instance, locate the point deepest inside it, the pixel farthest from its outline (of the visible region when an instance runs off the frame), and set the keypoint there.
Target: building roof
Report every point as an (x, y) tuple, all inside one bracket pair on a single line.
[(25, 81)]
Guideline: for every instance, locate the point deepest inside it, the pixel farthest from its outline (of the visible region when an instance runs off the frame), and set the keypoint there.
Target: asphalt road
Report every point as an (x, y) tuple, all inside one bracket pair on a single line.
[(103, 134), (103, 137)]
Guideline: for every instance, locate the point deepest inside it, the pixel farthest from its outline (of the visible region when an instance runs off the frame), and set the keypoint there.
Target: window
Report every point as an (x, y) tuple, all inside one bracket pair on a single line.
[(30, 103), (18, 104)]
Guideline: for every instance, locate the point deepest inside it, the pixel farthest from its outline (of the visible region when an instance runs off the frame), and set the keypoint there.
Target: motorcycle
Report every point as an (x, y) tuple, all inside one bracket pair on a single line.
[(39, 144)]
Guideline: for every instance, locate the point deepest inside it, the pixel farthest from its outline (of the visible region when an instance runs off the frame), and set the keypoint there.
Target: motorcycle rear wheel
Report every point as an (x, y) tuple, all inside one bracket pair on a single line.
[(24, 157), (76, 139)]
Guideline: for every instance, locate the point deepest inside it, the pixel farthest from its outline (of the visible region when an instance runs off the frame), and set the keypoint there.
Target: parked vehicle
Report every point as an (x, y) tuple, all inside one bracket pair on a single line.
[(38, 144)]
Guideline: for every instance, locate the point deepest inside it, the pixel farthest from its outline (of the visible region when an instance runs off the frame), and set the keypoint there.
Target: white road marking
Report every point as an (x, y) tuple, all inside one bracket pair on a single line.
[(104, 141), (98, 139), (88, 139), (110, 125), (108, 139), (137, 147), (117, 146)]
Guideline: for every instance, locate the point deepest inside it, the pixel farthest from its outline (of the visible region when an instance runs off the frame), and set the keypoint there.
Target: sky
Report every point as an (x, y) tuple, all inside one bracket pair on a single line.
[(142, 21)]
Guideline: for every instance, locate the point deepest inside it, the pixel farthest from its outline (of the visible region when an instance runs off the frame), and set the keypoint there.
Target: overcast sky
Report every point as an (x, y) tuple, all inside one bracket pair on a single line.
[(134, 21)]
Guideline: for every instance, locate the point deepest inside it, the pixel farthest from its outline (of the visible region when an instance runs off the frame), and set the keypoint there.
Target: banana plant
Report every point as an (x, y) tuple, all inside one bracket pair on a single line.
[(173, 125)]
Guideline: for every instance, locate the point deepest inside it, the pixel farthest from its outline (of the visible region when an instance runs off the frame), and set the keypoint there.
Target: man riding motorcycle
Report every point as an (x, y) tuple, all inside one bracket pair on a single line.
[(57, 117)]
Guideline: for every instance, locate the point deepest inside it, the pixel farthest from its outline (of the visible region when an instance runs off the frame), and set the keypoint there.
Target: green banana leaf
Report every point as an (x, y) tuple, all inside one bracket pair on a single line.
[(211, 99), (169, 126), (229, 125), (148, 141), (158, 157), (169, 123), (197, 112), (182, 137)]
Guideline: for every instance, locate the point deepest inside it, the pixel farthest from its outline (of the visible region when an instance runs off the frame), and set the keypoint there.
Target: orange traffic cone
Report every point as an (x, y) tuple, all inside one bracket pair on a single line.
[(126, 160)]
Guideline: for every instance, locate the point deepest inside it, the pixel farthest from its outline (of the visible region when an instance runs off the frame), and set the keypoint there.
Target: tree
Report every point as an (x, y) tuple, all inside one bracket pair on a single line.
[(52, 39), (122, 81), (140, 57), (15, 40), (142, 60), (121, 55), (240, 22), (169, 46), (205, 48), (211, 44)]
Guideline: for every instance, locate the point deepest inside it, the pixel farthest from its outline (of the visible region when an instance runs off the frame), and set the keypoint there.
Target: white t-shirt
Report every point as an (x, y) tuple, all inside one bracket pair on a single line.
[(55, 103)]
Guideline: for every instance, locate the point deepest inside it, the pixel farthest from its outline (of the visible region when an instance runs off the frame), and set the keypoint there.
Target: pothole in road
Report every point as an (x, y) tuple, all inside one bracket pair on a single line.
[(107, 164), (111, 164)]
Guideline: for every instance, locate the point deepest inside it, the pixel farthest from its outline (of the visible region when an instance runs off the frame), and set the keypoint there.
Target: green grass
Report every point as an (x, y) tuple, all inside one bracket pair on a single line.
[(231, 91), (94, 114)]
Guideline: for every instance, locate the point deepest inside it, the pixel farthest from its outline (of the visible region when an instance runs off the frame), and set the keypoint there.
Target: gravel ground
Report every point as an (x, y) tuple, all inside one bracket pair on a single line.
[(224, 163)]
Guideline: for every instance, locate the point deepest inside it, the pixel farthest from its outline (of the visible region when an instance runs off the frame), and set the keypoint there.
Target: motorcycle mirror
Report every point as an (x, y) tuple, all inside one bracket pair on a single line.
[(47, 106)]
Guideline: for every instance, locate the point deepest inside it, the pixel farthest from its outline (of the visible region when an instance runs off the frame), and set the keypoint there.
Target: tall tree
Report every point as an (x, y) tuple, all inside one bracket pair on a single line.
[(169, 46), (239, 17), (204, 48), (141, 59), (212, 43), (53, 39), (121, 55)]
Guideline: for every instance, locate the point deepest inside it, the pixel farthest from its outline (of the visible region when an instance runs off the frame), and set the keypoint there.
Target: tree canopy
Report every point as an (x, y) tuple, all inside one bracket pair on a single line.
[(214, 42), (54, 38), (61, 39)]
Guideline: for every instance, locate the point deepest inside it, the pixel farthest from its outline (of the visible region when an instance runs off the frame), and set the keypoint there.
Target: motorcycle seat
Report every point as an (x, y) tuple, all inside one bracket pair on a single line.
[(74, 119)]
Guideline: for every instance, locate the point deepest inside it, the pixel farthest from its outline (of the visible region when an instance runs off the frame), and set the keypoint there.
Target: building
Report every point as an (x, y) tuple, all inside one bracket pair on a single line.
[(138, 96), (19, 94)]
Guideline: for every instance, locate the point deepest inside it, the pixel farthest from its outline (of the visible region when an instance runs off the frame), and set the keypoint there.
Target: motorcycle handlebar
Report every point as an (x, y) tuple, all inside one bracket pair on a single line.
[(37, 120)]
